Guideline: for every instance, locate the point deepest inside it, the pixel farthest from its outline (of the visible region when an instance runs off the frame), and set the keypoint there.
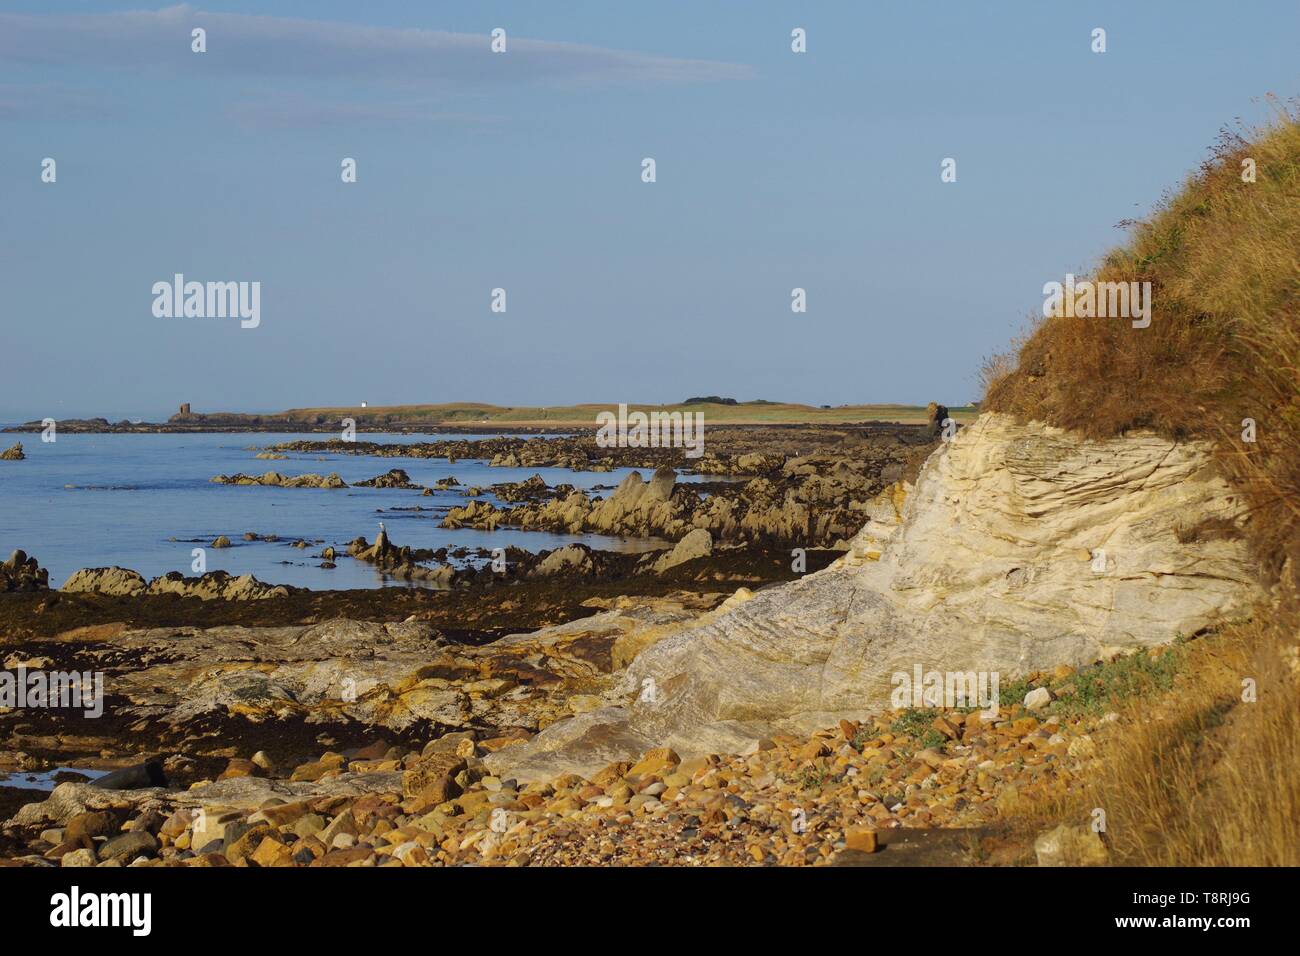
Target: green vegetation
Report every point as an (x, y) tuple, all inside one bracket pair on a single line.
[(1098, 689), (915, 722), (577, 416)]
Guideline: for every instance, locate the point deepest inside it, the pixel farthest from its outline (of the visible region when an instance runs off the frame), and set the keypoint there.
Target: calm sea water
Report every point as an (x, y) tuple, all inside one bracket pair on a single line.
[(144, 501)]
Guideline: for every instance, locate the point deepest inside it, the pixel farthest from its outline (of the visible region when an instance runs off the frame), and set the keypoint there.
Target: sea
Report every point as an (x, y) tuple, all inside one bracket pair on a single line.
[(145, 501)]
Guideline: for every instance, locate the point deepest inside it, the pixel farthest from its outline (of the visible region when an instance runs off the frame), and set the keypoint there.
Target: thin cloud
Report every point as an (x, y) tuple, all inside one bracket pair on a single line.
[(279, 46)]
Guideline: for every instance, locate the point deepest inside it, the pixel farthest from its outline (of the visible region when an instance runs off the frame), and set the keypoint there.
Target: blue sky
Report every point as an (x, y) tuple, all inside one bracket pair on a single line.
[(475, 171)]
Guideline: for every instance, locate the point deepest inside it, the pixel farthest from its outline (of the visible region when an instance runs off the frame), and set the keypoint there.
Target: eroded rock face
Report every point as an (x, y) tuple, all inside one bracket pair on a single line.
[(1020, 548)]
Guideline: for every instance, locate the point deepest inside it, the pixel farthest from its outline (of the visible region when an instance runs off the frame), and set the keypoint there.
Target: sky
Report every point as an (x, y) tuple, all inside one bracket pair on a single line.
[(523, 171)]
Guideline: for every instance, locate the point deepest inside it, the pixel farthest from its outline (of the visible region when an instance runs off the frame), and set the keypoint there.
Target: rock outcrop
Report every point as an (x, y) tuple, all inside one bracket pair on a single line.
[(213, 586), (115, 581), (393, 478), (1021, 547), (13, 453), (390, 675), (276, 480), (812, 501), (401, 561), (22, 573), (697, 544), (217, 586)]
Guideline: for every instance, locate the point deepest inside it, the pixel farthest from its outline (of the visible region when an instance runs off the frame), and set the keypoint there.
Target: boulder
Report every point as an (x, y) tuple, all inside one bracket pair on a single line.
[(697, 544), (571, 559), (69, 800), (120, 582), (147, 774)]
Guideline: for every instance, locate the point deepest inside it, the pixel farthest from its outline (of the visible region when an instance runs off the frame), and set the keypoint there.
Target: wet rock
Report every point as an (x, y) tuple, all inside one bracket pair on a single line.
[(147, 774)]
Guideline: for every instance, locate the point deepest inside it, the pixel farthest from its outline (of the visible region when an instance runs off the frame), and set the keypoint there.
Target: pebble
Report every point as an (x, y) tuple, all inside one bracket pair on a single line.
[(792, 800)]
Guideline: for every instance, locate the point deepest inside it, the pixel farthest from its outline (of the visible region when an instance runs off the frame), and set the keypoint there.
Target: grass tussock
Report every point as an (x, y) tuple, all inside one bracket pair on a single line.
[(1223, 258)]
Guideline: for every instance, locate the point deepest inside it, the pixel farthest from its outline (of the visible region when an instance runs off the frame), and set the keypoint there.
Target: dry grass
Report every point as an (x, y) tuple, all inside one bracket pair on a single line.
[(1197, 776), (1223, 257)]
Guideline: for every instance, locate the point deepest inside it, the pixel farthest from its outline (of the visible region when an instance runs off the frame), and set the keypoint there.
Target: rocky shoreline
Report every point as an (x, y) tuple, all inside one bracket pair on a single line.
[(719, 700), (839, 797), (749, 451)]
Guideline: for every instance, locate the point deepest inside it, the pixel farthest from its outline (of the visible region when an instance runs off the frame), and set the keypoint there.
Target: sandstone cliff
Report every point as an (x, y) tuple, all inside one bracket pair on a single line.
[(1021, 547)]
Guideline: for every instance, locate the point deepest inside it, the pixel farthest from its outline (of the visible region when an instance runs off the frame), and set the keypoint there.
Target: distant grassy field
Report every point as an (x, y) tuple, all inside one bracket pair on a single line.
[(746, 413)]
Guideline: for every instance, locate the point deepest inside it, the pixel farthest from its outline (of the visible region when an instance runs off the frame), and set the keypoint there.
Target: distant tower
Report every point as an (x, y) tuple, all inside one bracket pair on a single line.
[(185, 408), (364, 404)]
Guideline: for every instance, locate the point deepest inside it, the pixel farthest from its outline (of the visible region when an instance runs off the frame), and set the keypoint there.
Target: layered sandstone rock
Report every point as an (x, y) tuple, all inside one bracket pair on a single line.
[(1021, 547), (393, 675)]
